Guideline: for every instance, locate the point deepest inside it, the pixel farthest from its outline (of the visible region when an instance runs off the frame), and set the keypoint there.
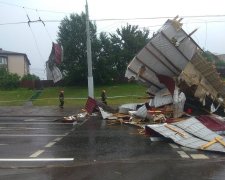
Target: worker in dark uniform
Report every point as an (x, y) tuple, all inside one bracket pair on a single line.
[(61, 99), (103, 97)]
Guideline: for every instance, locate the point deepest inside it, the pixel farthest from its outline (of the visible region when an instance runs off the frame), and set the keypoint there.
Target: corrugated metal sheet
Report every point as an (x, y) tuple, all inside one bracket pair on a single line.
[(169, 52), (161, 56), (183, 138), (196, 128), (215, 123)]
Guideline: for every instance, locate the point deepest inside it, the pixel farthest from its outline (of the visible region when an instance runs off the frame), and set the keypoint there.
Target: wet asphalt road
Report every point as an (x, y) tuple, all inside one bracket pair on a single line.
[(35, 148)]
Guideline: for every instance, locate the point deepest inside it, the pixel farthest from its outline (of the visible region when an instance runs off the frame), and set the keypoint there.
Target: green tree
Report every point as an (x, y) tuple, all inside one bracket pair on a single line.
[(72, 36), (104, 66), (110, 53), (127, 42), (214, 59), (8, 80)]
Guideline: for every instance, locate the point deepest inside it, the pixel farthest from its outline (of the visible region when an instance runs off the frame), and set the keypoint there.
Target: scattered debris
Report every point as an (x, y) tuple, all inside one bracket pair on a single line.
[(181, 85), (192, 134), (186, 95)]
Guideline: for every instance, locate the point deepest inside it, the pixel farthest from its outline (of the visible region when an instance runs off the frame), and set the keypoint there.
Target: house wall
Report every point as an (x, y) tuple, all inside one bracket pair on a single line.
[(17, 64)]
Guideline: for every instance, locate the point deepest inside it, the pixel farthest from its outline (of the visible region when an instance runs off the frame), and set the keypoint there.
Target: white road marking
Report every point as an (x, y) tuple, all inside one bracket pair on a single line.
[(173, 145), (36, 154), (19, 128), (3, 144), (83, 122), (183, 154), (189, 149), (37, 159), (199, 156), (42, 120), (57, 139), (31, 135), (66, 134), (50, 144)]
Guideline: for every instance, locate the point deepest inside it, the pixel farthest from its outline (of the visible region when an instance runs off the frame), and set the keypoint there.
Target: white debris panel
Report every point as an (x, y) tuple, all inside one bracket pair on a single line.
[(189, 140), (106, 115), (196, 128), (173, 53), (129, 107)]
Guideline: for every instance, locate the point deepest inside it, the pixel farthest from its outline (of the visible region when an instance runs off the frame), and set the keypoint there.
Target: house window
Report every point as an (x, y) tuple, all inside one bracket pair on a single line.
[(3, 61)]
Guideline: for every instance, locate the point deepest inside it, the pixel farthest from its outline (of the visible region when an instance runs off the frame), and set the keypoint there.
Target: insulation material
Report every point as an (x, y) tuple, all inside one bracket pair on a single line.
[(179, 99), (190, 75), (201, 94), (210, 74), (193, 77)]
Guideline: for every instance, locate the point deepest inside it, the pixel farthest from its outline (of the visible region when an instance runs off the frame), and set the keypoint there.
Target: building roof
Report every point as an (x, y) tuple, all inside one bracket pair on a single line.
[(221, 57), (3, 52)]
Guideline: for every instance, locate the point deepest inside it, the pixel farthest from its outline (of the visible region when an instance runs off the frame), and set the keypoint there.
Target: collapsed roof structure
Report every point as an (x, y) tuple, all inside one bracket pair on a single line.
[(173, 56), (55, 59), (176, 74)]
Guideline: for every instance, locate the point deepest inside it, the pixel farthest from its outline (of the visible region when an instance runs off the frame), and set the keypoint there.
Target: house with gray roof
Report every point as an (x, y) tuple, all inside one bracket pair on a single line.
[(15, 62)]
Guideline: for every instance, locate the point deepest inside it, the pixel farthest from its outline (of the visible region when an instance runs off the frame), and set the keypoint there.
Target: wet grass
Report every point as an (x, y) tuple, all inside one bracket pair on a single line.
[(76, 96), (14, 97)]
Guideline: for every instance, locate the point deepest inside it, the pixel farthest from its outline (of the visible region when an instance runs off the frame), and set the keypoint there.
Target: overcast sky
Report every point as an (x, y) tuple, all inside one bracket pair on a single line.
[(36, 40)]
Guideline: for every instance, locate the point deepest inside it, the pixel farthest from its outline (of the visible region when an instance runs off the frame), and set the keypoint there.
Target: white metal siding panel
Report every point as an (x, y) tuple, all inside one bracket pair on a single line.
[(188, 140), (169, 50)]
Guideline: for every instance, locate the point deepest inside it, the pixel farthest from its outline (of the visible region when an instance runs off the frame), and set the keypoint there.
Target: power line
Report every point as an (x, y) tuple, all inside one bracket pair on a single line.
[(115, 19), (186, 23), (54, 21), (45, 27), (164, 17), (13, 23), (15, 5), (35, 40)]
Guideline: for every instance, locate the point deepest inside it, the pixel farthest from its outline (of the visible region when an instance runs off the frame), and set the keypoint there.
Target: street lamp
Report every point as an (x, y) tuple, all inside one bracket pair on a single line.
[(89, 57)]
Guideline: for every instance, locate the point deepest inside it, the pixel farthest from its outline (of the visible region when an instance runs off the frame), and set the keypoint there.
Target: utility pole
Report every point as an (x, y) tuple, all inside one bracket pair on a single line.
[(89, 57)]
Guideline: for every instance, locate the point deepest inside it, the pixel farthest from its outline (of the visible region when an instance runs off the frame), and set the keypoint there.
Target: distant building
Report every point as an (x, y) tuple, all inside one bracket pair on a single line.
[(15, 62), (221, 57)]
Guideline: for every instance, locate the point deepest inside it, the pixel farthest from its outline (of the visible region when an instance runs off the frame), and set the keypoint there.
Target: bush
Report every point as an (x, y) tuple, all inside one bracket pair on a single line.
[(8, 80), (30, 77)]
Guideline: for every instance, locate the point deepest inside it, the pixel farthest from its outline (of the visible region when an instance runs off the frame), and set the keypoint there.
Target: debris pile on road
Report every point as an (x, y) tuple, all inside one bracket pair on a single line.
[(185, 93), (90, 107), (183, 87)]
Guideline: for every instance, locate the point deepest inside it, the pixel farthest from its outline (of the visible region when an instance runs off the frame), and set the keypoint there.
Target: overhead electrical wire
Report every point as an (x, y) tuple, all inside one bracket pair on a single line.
[(110, 19), (44, 27), (52, 21), (35, 39), (163, 17), (10, 4)]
